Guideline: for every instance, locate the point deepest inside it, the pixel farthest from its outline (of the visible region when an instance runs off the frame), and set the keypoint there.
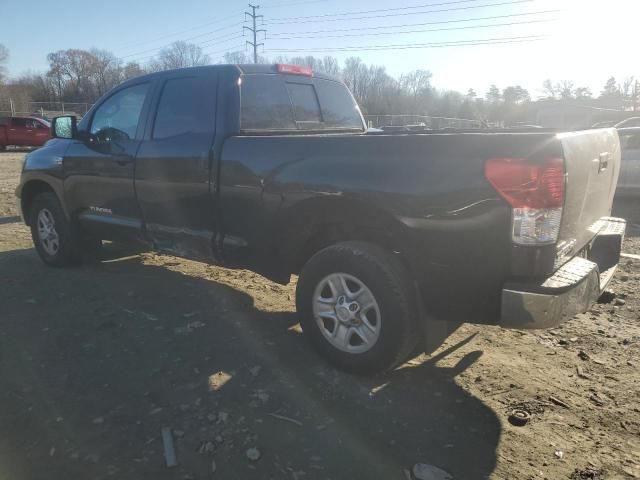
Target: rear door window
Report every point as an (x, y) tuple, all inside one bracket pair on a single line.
[(184, 107)]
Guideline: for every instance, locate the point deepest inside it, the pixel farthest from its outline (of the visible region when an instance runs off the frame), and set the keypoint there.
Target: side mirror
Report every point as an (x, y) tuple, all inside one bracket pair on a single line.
[(64, 127)]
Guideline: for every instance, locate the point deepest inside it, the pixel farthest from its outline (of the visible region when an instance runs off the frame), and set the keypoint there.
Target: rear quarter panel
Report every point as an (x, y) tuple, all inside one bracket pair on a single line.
[(453, 228)]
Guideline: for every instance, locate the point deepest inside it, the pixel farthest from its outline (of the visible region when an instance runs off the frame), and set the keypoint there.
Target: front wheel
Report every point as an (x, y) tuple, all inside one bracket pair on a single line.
[(358, 308), (53, 234)]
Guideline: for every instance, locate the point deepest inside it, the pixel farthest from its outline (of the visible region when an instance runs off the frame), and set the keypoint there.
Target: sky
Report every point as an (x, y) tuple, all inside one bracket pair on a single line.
[(464, 43)]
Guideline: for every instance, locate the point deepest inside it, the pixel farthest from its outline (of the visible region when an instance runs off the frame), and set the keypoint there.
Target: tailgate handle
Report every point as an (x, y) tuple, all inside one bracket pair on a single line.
[(603, 161)]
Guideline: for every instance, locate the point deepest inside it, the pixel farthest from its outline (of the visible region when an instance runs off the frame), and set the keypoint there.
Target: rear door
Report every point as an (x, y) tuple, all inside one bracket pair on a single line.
[(174, 162), (17, 132), (99, 169)]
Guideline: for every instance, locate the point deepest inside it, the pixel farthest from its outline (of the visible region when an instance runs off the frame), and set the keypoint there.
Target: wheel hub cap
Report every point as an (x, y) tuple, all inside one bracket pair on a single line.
[(49, 238), (347, 313)]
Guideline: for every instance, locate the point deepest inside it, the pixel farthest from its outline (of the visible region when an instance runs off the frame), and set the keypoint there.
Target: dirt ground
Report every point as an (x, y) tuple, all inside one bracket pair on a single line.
[(95, 360)]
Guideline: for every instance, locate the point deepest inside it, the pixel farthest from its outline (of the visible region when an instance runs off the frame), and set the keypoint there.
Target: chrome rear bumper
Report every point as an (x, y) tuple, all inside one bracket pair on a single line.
[(572, 289)]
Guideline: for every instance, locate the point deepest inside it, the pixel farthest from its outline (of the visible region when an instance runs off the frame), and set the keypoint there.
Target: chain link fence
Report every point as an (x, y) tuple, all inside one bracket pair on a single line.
[(10, 107)]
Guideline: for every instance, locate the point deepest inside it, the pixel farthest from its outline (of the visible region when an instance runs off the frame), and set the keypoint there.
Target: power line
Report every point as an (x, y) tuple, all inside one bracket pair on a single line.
[(225, 38), (513, 2), (190, 29), (423, 24), (228, 49), (155, 49), (149, 57), (405, 46), (291, 4), (362, 12), (468, 27), (253, 30)]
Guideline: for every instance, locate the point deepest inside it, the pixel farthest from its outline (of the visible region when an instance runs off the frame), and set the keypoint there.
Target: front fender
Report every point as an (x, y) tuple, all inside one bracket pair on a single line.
[(43, 169)]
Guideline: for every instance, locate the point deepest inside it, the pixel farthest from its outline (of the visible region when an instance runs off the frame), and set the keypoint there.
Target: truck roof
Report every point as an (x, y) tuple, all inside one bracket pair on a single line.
[(242, 68)]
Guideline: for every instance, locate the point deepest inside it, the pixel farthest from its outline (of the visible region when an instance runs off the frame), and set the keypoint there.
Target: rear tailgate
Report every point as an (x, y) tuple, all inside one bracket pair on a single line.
[(592, 161)]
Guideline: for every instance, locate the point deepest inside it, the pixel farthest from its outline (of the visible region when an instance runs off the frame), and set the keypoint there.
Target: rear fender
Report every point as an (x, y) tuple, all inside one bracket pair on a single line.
[(311, 225)]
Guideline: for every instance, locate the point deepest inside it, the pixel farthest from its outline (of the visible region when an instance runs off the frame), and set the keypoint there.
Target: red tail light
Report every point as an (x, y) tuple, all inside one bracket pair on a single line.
[(527, 184), (294, 69), (535, 191)]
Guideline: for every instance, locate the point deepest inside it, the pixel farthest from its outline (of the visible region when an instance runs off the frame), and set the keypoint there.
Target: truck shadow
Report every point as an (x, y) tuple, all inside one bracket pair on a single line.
[(10, 219), (95, 360)]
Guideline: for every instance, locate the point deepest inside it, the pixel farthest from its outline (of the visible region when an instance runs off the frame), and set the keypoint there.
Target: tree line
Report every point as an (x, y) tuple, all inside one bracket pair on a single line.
[(82, 76)]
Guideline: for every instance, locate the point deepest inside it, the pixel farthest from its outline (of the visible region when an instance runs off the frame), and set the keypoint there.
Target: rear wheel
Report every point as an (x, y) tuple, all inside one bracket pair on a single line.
[(357, 306), (54, 236)]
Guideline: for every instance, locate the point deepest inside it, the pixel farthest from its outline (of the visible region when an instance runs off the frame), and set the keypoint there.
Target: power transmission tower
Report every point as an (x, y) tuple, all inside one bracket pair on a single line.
[(253, 30)]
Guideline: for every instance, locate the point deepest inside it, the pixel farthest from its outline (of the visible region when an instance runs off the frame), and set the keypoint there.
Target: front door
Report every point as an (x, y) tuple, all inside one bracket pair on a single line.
[(37, 131), (173, 165), (99, 168)]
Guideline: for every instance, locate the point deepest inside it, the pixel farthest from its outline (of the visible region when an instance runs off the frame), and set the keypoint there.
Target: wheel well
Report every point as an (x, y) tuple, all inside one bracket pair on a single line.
[(30, 191), (339, 222)]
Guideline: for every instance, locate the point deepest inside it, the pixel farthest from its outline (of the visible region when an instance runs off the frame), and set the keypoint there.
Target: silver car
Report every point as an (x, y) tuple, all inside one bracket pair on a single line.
[(629, 179)]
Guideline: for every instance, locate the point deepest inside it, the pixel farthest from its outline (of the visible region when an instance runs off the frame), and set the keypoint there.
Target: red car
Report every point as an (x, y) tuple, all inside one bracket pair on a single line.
[(23, 132)]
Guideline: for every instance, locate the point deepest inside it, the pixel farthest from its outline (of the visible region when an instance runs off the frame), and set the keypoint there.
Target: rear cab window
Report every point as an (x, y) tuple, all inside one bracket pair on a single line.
[(277, 103)]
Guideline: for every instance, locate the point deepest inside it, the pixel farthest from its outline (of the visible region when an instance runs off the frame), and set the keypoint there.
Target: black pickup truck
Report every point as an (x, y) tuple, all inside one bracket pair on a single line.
[(271, 168)]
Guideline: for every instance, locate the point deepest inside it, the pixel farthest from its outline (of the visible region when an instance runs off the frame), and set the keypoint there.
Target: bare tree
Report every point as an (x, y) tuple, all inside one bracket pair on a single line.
[(515, 95), (179, 55), (493, 95), (549, 89), (627, 87), (565, 89), (416, 82), (330, 66), (131, 70), (105, 70), (582, 93), (611, 89), (237, 58), (71, 71)]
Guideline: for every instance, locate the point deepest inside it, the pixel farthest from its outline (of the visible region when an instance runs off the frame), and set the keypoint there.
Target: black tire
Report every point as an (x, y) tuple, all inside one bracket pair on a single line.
[(389, 282), (3, 148), (68, 251)]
